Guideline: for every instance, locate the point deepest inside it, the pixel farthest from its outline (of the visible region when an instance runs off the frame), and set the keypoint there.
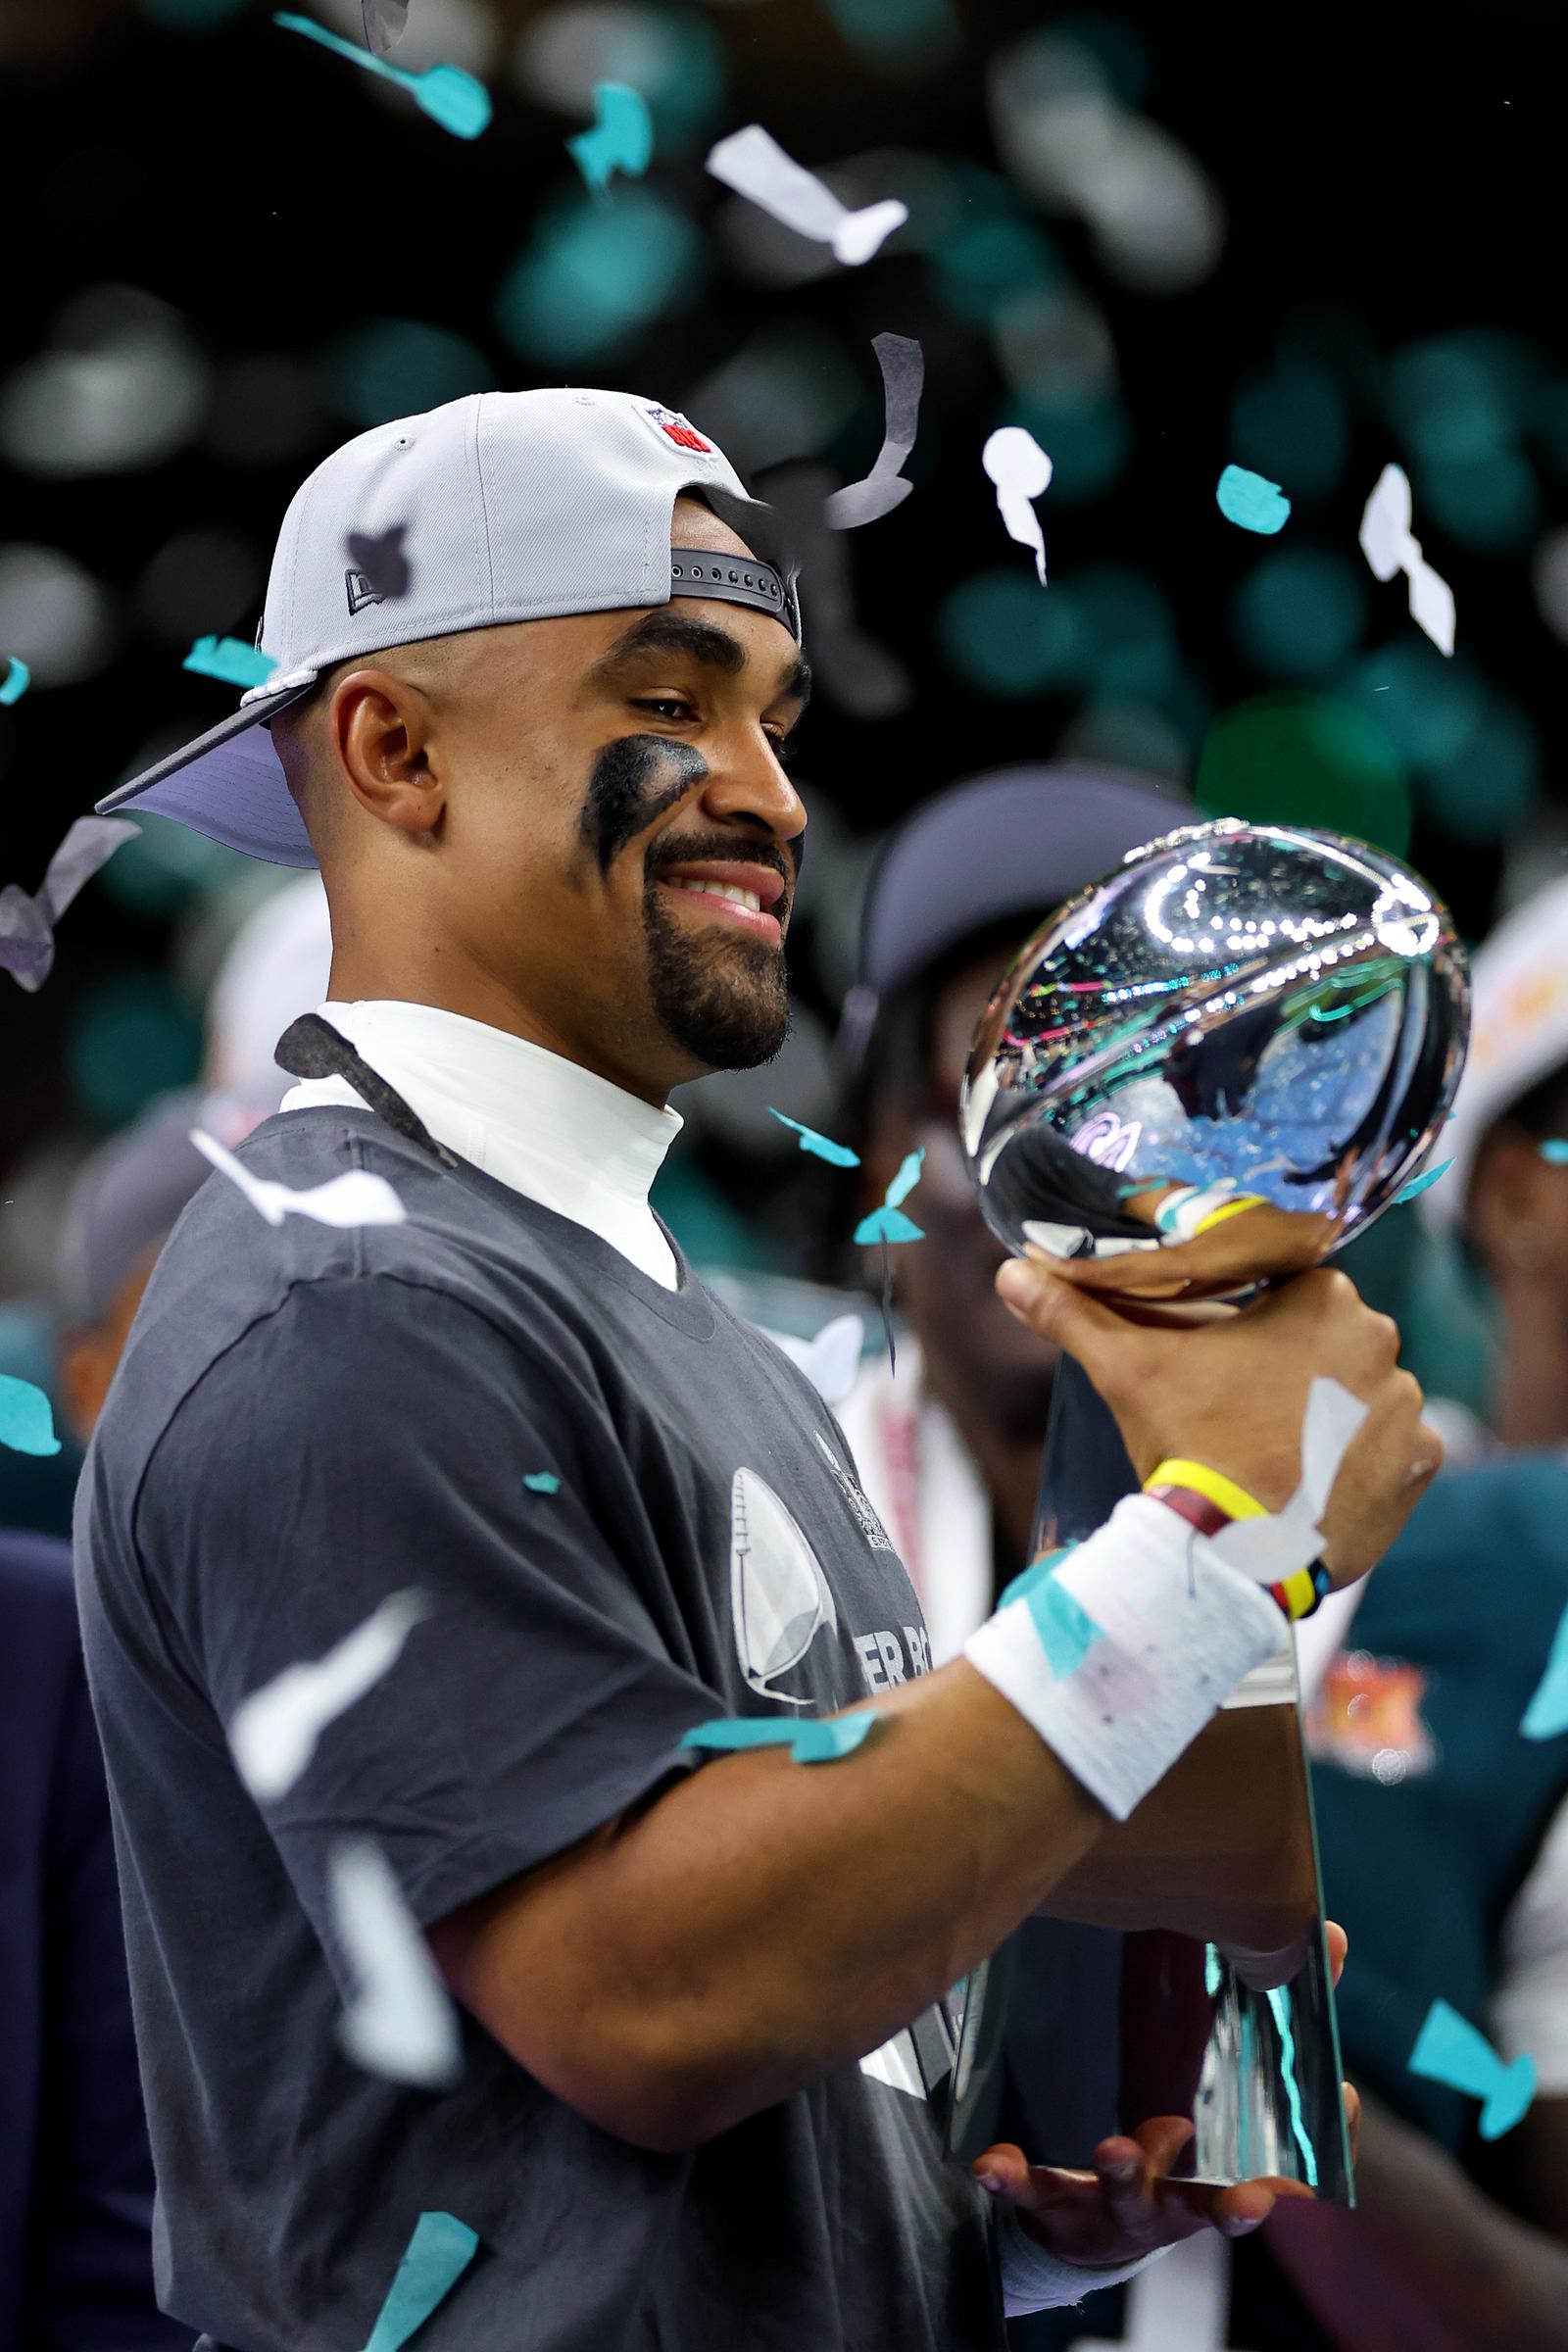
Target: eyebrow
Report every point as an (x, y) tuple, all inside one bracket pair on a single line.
[(664, 632)]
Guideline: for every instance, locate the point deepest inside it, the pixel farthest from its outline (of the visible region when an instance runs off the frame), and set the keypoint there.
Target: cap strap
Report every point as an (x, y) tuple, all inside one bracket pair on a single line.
[(733, 580)]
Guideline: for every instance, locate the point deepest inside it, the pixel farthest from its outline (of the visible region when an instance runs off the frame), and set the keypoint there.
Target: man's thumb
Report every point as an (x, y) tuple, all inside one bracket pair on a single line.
[(1073, 1318)]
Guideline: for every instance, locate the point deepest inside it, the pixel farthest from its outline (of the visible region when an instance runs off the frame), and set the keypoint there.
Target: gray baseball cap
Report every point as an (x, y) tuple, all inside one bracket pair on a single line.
[(503, 507)]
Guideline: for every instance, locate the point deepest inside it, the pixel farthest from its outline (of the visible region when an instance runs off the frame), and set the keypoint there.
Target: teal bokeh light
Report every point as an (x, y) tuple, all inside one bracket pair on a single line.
[(133, 1037), (1429, 707), (1449, 400), (190, 15), (1300, 612), (1304, 759), (979, 265), (1126, 635), (1087, 435), (1293, 427), (899, 36), (1005, 634), (1490, 503), (168, 866), (594, 271), (1487, 788), (383, 368)]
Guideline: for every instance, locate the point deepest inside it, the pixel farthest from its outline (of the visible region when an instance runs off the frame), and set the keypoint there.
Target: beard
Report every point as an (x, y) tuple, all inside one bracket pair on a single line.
[(725, 1002)]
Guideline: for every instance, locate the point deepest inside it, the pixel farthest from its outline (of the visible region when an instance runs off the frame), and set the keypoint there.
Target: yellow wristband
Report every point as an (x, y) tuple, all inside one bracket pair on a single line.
[(1299, 1592), (1228, 1208), (1214, 1484)]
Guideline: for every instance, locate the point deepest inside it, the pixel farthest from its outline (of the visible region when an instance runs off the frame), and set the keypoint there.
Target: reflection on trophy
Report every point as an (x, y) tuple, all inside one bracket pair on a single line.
[(1202, 1075)]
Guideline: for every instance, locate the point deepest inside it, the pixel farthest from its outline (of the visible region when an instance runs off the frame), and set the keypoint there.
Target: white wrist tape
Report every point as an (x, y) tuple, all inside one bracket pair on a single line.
[(1119, 1657), (1033, 2280)]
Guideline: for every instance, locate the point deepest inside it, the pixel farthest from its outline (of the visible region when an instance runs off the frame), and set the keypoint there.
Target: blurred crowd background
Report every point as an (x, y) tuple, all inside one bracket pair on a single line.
[(1304, 242)]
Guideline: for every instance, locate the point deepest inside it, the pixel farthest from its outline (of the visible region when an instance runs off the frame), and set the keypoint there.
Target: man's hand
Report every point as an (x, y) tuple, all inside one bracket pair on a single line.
[(1128, 2206), (1231, 1392)]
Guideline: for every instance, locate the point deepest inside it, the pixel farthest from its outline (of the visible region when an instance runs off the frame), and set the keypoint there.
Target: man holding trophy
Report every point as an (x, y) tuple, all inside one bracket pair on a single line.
[(704, 2092)]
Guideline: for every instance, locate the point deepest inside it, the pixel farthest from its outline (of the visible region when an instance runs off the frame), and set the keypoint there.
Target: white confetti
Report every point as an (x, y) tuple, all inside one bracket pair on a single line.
[(272, 1734), (831, 1362), (1021, 471), (400, 2023), (1281, 1542), (902, 366), (1390, 545), (27, 918), (756, 166), (358, 1196)]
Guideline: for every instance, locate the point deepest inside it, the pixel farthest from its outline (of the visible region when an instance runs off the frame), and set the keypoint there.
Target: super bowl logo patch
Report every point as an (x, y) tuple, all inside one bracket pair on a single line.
[(671, 425), (1366, 1719)]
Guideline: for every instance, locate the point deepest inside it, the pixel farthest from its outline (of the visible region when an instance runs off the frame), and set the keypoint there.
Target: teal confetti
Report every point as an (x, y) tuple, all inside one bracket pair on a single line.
[(1421, 1183), (817, 1741), (1556, 1150), (1066, 1630), (1251, 503), (1213, 1974), (27, 1422), (821, 1147), (907, 1177), (437, 2255), (229, 659), (445, 93), (1449, 2050), (1548, 1712), (621, 138), (542, 1482), (19, 677), (889, 1222), (888, 1225)]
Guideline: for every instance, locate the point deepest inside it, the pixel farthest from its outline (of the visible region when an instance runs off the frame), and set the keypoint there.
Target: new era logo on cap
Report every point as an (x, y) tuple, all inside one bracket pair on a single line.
[(671, 425)]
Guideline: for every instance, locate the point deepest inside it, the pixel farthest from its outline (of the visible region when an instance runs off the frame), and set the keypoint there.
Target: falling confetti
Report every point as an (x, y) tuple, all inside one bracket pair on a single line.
[(437, 2255), (27, 921), (621, 138), (902, 366), (1449, 2050), (1389, 546), (541, 1482), (831, 1362), (887, 1225), (820, 1147), (447, 95), (905, 1179), (400, 2023), (229, 659), (1422, 1183), (1021, 471), (26, 1421), (384, 21), (272, 1734), (1276, 1544), (817, 1741), (756, 166), (1555, 1151), (1251, 503), (18, 679), (358, 1196), (1548, 1712)]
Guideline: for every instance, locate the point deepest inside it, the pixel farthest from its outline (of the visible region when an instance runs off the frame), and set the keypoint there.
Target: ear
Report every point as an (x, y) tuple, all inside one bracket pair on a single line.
[(380, 730), (1518, 1208)]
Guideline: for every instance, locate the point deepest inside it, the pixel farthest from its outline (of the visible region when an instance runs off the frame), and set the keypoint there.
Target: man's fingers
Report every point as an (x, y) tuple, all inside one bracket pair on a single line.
[(1339, 1943), (1070, 1317), (1352, 2115)]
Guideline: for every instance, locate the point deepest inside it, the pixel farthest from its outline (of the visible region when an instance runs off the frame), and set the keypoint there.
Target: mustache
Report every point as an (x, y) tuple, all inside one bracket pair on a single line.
[(690, 849)]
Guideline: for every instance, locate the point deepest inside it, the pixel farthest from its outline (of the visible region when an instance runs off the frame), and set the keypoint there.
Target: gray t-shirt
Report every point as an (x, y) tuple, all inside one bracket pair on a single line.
[(305, 1421)]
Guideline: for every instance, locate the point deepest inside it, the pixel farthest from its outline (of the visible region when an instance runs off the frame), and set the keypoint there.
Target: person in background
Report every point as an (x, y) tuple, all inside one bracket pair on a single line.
[(75, 2171), (1445, 1833)]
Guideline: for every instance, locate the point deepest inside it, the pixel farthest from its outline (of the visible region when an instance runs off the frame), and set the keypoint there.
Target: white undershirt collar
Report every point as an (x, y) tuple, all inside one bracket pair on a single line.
[(535, 1121)]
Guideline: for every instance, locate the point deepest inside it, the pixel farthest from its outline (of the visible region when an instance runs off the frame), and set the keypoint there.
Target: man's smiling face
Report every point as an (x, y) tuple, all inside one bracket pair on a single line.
[(587, 834)]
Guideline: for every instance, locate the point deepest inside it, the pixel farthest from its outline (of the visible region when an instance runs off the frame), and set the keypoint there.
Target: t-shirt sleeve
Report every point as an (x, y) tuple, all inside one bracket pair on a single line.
[(373, 1436)]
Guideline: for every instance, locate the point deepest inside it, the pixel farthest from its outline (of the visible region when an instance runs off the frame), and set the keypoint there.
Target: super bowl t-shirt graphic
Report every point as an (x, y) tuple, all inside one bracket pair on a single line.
[(707, 1552)]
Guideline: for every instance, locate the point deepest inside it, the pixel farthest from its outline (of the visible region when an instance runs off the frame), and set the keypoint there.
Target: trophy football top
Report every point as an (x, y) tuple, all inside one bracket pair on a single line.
[(1218, 1063)]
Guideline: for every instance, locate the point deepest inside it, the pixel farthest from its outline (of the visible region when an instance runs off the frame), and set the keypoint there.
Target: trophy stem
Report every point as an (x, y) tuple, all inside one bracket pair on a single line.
[(1230, 2021)]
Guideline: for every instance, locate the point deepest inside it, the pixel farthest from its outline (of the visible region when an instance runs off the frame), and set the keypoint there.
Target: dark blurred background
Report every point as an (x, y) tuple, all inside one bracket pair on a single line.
[(1302, 241)]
